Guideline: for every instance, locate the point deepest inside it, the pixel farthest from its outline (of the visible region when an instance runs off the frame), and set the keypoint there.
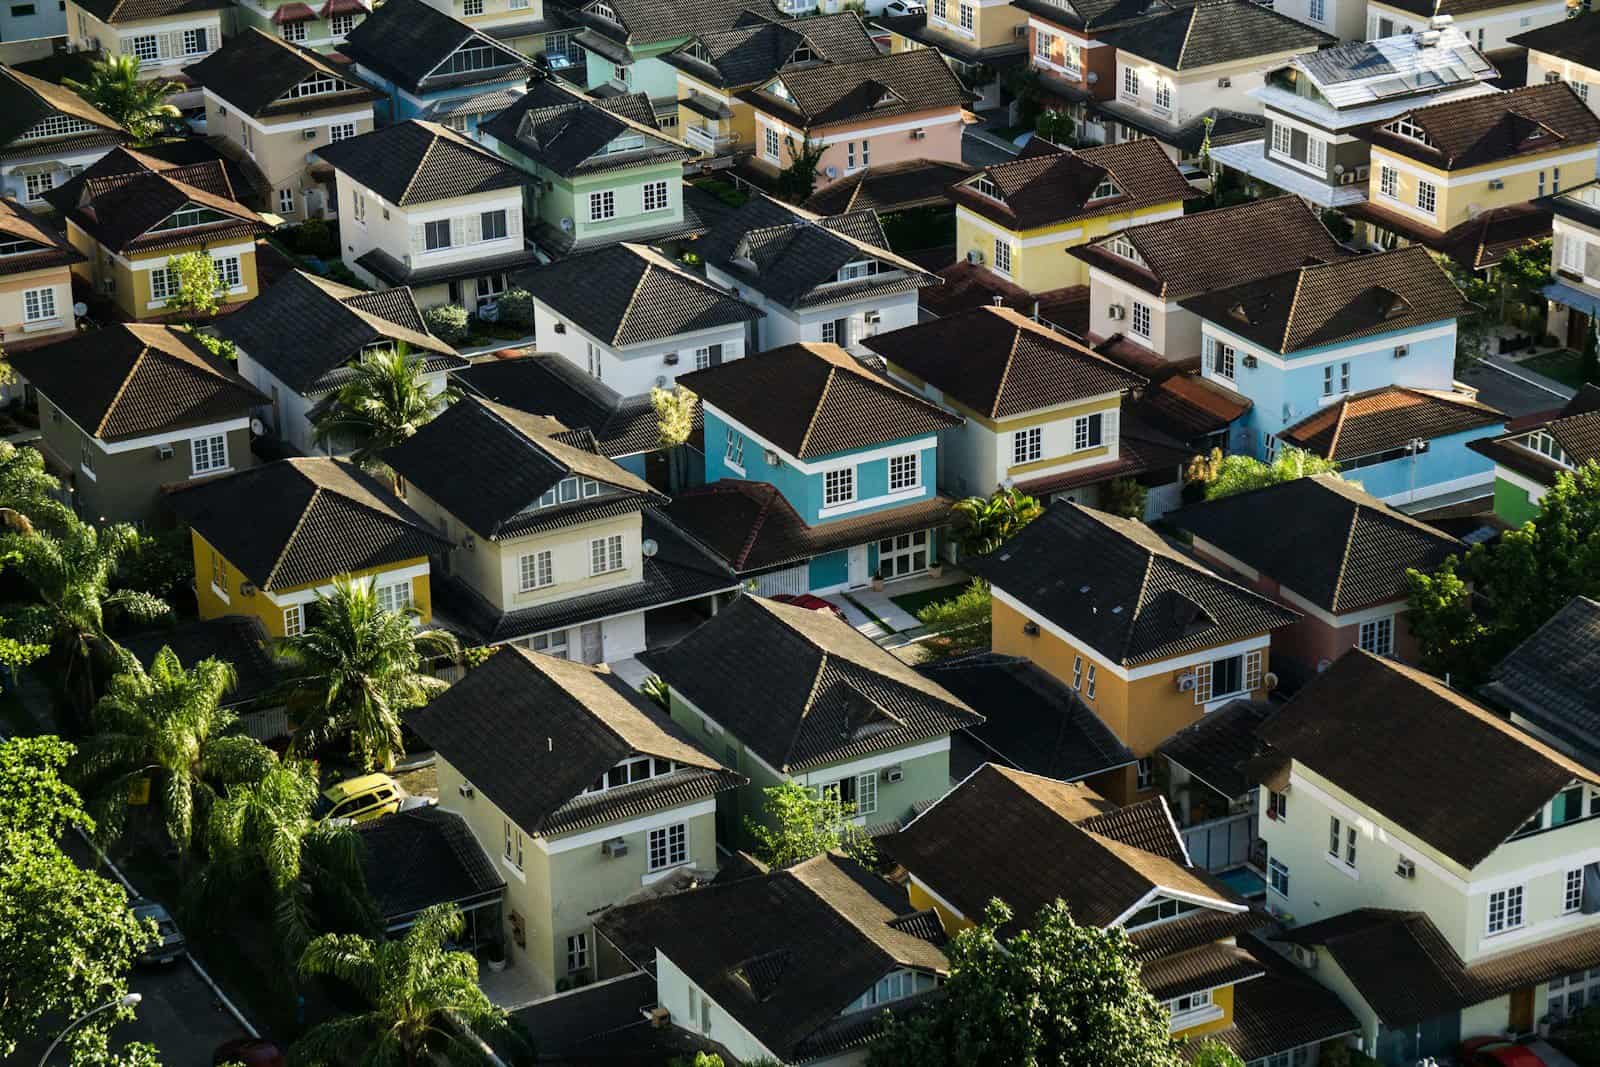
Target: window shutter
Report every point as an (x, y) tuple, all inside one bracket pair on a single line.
[(474, 228), (127, 46), (1108, 427), (1591, 258), (458, 231), (417, 239), (1252, 671), (716, 355), (170, 45), (514, 222)]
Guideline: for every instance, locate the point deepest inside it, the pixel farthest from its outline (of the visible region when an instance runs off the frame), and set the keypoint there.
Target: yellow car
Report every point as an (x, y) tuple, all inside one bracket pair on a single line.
[(360, 799)]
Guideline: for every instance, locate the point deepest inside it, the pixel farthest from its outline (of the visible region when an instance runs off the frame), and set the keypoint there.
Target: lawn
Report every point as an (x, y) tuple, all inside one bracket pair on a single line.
[(1563, 365), (915, 602)]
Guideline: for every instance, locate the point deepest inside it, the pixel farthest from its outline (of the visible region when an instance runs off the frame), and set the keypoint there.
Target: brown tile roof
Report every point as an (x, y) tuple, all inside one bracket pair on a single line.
[(1053, 185), (121, 210), (253, 71), (1000, 363), (114, 11), (1188, 405), (49, 249), (129, 380), (900, 83), (892, 187), (1323, 304), (28, 101), (814, 399), (1180, 255), (1475, 244), (1194, 929), (1214, 31), (965, 286), (1485, 129), (415, 162), (1363, 424), (1419, 740), (1576, 428), (1284, 1011), (1205, 967)]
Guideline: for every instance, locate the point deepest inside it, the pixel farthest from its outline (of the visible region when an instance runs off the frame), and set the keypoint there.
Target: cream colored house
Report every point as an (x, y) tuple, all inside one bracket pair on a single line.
[(1489, 24), (1567, 51), (35, 281), (165, 35)]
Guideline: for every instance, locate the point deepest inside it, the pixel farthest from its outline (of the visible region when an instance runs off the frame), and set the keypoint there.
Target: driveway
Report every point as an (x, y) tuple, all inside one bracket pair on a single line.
[(179, 1015)]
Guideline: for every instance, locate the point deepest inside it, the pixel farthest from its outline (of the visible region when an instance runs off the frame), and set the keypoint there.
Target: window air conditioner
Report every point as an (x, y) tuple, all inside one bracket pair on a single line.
[(975, 257), (163, 451), (1405, 868), (1116, 311), (1362, 172), (1250, 361), (1020, 31), (1224, 83), (670, 359), (561, 327), (1497, 183), (309, 135), (614, 848), (919, 134), (1347, 178), (1030, 629), (894, 774)]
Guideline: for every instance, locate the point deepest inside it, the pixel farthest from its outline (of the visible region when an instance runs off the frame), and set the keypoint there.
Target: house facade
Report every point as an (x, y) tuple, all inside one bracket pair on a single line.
[(321, 27), (532, 27), (165, 36), (35, 280), (1490, 27), (973, 36), (1537, 450), (1566, 50), (56, 134)]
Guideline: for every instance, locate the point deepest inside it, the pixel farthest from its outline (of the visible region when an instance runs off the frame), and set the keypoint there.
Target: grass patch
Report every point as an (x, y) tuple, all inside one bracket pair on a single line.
[(912, 603), (859, 606), (727, 192), (1564, 365)]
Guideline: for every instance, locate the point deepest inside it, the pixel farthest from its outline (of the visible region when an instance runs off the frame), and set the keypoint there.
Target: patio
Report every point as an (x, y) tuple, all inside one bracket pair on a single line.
[(874, 612)]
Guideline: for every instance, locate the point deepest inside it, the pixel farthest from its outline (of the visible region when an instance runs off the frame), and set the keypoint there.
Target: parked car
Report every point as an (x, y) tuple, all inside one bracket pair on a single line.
[(360, 799), (249, 1051), (905, 7), (807, 601), (169, 944), (1497, 1052)]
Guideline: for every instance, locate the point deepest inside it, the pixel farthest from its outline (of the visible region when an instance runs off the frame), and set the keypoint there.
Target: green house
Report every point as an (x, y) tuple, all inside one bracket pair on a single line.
[(1536, 451)]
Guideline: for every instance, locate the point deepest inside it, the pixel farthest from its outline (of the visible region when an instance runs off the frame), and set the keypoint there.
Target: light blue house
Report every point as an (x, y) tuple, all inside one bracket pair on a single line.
[(820, 475), (434, 67), (1353, 360)]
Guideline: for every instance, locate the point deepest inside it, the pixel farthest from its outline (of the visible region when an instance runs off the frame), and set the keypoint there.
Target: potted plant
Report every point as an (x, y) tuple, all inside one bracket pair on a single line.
[(877, 580), (936, 567), (494, 956)]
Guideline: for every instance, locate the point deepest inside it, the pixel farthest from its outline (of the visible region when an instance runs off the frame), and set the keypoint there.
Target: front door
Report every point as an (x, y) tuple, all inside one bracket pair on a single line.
[(591, 642), (1521, 1020), (858, 566)]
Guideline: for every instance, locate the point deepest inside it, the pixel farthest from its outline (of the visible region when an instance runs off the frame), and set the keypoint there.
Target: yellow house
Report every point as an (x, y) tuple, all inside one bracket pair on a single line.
[(132, 213), (1017, 219), (1441, 174), (1147, 638), (269, 539), (971, 35)]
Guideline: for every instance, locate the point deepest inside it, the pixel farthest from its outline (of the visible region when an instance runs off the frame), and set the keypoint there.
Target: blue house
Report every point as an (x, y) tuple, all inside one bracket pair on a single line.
[(1353, 359), (434, 67), (820, 475)]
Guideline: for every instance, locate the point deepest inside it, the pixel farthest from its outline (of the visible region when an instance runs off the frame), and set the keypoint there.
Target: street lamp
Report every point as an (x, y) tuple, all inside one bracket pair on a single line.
[(128, 1000)]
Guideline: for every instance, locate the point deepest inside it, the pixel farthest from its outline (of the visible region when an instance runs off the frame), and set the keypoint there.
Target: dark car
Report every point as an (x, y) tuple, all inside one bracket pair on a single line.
[(169, 943), (249, 1051)]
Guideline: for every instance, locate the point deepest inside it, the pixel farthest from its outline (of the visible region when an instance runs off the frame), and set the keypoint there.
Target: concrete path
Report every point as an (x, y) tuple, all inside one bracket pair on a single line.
[(631, 671), (857, 618)]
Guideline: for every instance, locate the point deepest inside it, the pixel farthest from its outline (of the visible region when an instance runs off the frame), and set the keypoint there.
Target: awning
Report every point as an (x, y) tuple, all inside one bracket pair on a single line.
[(1248, 157), (1562, 293), (293, 13), (344, 7)]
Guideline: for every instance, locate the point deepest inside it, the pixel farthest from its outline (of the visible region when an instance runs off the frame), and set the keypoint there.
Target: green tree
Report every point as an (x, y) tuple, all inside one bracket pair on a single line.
[(420, 998), (1124, 497), (674, 410), (357, 667), (30, 492), (801, 822), (1214, 1053), (1227, 475), (962, 622), (385, 402), (1475, 329), (198, 284), (166, 726), (983, 524), (798, 180), (140, 106), (1058, 993)]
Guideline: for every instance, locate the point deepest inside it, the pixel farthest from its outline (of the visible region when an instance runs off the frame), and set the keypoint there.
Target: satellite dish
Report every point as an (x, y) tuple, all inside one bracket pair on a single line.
[(832, 172), (649, 547), (566, 225), (80, 309), (258, 428)]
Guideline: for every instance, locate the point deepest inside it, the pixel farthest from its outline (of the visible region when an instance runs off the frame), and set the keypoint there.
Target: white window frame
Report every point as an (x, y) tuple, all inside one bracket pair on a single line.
[(838, 487), (196, 41), (905, 472), (512, 834), (1389, 182), (667, 842), (1130, 82), (340, 25), (393, 596), (146, 48), (1027, 445), (39, 305), (605, 555), (36, 185), (1427, 197), (1223, 359), (294, 620), (733, 450), (1139, 320), (214, 448), (772, 145), (1377, 636), (1505, 911), (1163, 100), (1572, 892), (964, 14), (292, 31), (1084, 433), (655, 196), (1002, 255), (1278, 876), (577, 944), (341, 131), (602, 205), (535, 570)]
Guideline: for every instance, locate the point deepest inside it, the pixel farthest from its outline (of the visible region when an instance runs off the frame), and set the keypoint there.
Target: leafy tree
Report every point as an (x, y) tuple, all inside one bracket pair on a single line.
[(220, 347), (420, 998), (448, 322), (1059, 994), (1226, 475), (357, 668), (28, 491), (983, 524), (198, 284), (1521, 276), (1475, 329), (385, 402), (1214, 1053), (1124, 497), (140, 106), (804, 823), (798, 180), (963, 622), (1054, 126), (674, 410)]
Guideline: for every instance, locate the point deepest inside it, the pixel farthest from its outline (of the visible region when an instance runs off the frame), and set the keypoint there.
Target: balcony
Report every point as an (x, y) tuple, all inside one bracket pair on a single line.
[(709, 141)]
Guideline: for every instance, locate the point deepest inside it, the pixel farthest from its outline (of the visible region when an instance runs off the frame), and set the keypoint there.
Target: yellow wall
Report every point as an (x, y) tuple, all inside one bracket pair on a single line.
[(132, 278), (261, 607), (1457, 191), (1222, 998), (742, 123), (921, 901), (1046, 265)]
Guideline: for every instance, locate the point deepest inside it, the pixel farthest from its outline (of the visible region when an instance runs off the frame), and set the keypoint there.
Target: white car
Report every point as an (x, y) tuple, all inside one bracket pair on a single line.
[(905, 7)]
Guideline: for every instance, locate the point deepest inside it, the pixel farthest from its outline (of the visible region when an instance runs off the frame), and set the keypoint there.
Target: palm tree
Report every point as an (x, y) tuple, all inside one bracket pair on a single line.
[(425, 1004), (983, 524), (140, 106), (70, 574), (1240, 473), (166, 725), (383, 404), (357, 667), (27, 490)]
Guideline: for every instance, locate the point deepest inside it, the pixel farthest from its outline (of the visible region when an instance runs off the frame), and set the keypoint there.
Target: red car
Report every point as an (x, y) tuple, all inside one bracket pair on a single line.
[(1498, 1052), (250, 1051), (807, 601)]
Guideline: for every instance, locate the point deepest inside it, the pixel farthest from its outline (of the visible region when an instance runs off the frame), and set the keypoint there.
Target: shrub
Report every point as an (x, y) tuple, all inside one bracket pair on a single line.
[(314, 237), (448, 322), (516, 307)]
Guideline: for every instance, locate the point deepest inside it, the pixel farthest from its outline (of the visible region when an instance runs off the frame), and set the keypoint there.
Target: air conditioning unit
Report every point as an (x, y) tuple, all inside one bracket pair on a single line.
[(1362, 172), (1404, 868), (561, 327), (1224, 83), (975, 257), (1250, 362), (771, 456), (614, 848), (894, 774), (1116, 311), (919, 134), (1030, 629), (1186, 681), (309, 135), (469, 542), (1497, 183), (1020, 31), (163, 452), (1347, 178), (1304, 955), (1402, 351), (466, 790), (247, 589), (670, 359)]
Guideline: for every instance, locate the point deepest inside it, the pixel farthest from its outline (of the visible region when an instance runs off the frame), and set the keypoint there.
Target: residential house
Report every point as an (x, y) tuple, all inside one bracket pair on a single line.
[(425, 208), (298, 341), (1547, 682), (532, 27), (431, 66), (788, 694), (890, 109), (132, 214), (714, 68), (916, 183), (420, 857), (584, 792), (32, 22), (1185, 75), (1337, 555), (274, 103), (1315, 106), (816, 279), (52, 135), (1345, 19), (1208, 773), (820, 474), (1565, 50), (1442, 168), (1039, 411), (1138, 276), (635, 319), (1018, 219), (975, 37), (36, 290), (1431, 928), (1149, 638), (1491, 25), (321, 27), (602, 171), (164, 35), (1064, 49), (556, 547), (1032, 841), (327, 519), (128, 410), (1536, 450), (1353, 360), (796, 965), (1574, 292), (258, 693)]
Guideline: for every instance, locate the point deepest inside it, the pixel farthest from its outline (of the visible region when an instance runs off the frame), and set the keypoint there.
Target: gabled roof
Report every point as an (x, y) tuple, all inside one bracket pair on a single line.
[(744, 55), (1178, 256), (1552, 679), (193, 158), (416, 162), (1576, 428), (26, 101), (488, 465), (122, 210), (1331, 543), (565, 131), (532, 732), (1327, 303), (1398, 739), (1212, 32), (628, 294), (405, 41), (130, 380), (884, 87), (793, 257), (240, 640), (253, 70), (42, 247), (1000, 363), (114, 11), (647, 22), (801, 688), (1115, 584), (1380, 420), (307, 330), (1093, 14), (813, 399), (1575, 40), (892, 187), (417, 858), (1495, 126), (1359, 73), (1048, 185), (327, 518), (785, 952), (1221, 748)]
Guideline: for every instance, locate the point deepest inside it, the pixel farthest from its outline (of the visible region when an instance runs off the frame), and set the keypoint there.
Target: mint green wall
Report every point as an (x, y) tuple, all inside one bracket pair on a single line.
[(316, 29), (1511, 503), (568, 198)]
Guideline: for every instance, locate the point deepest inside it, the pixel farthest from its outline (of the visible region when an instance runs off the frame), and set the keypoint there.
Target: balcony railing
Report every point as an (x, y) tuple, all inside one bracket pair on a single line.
[(709, 142)]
